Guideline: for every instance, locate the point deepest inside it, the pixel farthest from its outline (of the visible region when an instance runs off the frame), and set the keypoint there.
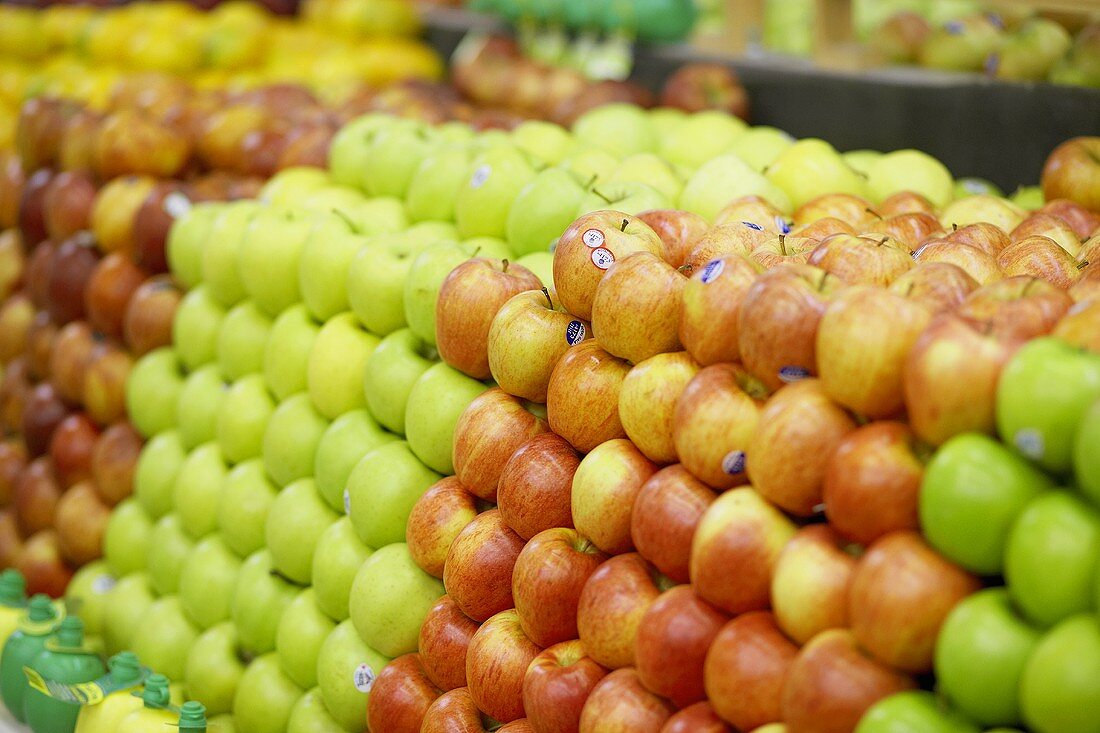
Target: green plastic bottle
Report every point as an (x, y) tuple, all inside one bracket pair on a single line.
[(13, 602), (156, 709), (25, 643), (192, 717), (110, 699), (65, 659)]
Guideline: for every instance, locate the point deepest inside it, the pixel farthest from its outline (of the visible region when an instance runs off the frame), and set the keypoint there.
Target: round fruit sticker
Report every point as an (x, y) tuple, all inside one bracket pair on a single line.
[(790, 374), (593, 238), (347, 502), (103, 583), (1029, 441), (711, 271), (734, 463), (481, 175), (603, 258), (364, 678), (753, 225), (176, 204), (575, 332)]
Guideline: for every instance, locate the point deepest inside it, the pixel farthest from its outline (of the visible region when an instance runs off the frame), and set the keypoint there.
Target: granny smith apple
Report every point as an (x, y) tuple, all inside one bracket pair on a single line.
[(389, 375), (390, 597), (910, 170), (666, 120), (334, 373), (259, 600), (241, 341), (243, 417), (86, 595), (723, 179), (435, 403), (435, 183), (270, 254), (544, 209), (163, 637), (540, 263), (195, 327), (1028, 198), (247, 494), (169, 547), (123, 608), (336, 560), (544, 141), (376, 283), (861, 160), (198, 490), (310, 716), (326, 255), (347, 156), (350, 437), (126, 538), (381, 492), (393, 157), (156, 470), (186, 240), (590, 164), (220, 263), (206, 582), (290, 439), (286, 354), (629, 197), (422, 283), (760, 146), (494, 180), (1086, 459), (152, 391), (1058, 692), (265, 696), (620, 129), (214, 668), (290, 185), (702, 137), (812, 168), (199, 402), (295, 522), (346, 669), (651, 169), (915, 711), (302, 630)]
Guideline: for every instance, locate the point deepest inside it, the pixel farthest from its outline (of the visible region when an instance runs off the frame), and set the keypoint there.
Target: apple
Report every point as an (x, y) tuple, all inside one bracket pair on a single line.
[(491, 428), (1082, 221), (382, 490), (74, 262), (916, 710), (36, 495), (444, 638), (1078, 326), (1052, 696), (16, 315), (186, 241), (126, 538), (678, 231), (941, 286), (289, 438), (155, 472), (336, 558), (376, 281), (910, 170), (437, 518), (200, 403), (309, 715), (87, 592), (726, 177), (1018, 307), (745, 669), (295, 521), (1051, 227), (783, 249), (269, 256), (196, 492), (621, 129), (637, 307), (346, 670), (853, 209), (987, 237), (711, 301), (80, 520), (631, 196), (163, 636), (1040, 257), (436, 402), (496, 663), (213, 669), (534, 492), (260, 598), (1085, 468), (870, 259), (619, 703), (1071, 172), (810, 168), (302, 630), (206, 580), (647, 402), (1000, 212), (484, 201), (389, 374), (977, 263), (243, 415), (605, 485), (71, 447), (760, 145), (456, 710), (242, 336), (70, 358), (556, 685), (479, 566), (435, 183), (326, 255), (264, 697), (43, 411), (196, 326), (401, 695), (543, 209), (736, 237), (242, 513), (814, 564), (125, 605), (110, 287), (169, 548)]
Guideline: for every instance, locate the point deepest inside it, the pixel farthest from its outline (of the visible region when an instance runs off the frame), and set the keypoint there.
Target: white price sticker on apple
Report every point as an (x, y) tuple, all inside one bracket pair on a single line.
[(103, 583), (712, 270), (593, 238), (364, 678), (603, 258), (734, 463), (481, 175), (575, 332), (347, 502), (176, 204)]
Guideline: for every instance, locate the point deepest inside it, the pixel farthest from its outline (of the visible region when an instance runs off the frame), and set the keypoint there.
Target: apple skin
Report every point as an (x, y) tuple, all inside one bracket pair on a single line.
[(1079, 326), (80, 521), (444, 638), (436, 401), (697, 718), (265, 696), (647, 402), (812, 565), (737, 237), (898, 575), (488, 432), (1040, 257), (667, 510), (556, 685), (831, 684), (479, 566), (110, 287), (637, 307), (1052, 695), (612, 605), (582, 398), (915, 710), (619, 703), (536, 486), (400, 696), (976, 262), (496, 663), (1071, 172), (437, 518), (36, 495), (745, 670), (455, 712), (711, 303), (987, 237), (604, 487), (71, 447), (677, 229), (870, 259)]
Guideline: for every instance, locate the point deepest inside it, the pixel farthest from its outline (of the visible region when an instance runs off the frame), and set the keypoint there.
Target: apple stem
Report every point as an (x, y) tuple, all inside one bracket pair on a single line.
[(783, 244), (873, 213), (686, 269), (883, 241), (1082, 265), (347, 220), (954, 227), (909, 290), (549, 300), (591, 182), (504, 265), (606, 200), (821, 284), (623, 227)]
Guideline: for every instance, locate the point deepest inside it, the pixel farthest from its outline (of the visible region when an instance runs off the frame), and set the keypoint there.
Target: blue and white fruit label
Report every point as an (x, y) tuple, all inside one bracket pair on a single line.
[(593, 238), (753, 225), (791, 374), (480, 176), (347, 502), (364, 678), (575, 332), (734, 463), (603, 258), (712, 270), (1030, 443)]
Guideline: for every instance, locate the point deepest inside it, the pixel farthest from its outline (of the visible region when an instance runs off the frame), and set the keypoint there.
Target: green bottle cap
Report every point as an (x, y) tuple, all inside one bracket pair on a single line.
[(155, 694), (13, 589), (40, 608), (125, 669), (192, 716), (70, 634)]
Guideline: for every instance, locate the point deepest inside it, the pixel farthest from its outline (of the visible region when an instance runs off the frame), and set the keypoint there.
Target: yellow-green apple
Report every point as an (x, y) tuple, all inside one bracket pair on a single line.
[(907, 230), (199, 405), (400, 696), (673, 638), (164, 635), (152, 392), (1040, 257), (346, 670), (528, 336), (1051, 677), (667, 510), (846, 207), (951, 378), (711, 301), (987, 237), (436, 402), (588, 247), (456, 710), (242, 336), (620, 702), (242, 514), (1021, 307), (218, 265), (444, 637), (636, 310), (390, 598), (697, 718), (811, 168), (196, 326), (302, 631), (862, 342), (496, 663), (778, 320), (831, 683), (259, 600), (701, 135), (290, 438), (286, 353), (336, 559), (479, 566), (265, 696), (269, 256), (437, 518), (874, 260), (382, 490), (542, 209), (468, 301), (745, 669), (910, 170), (341, 446), (491, 428), (714, 421), (547, 581), (1083, 222), (1072, 171), (390, 373), (495, 179), (155, 473), (739, 529), (611, 607), (977, 263), (783, 248), (901, 592), (123, 607), (678, 231), (1051, 227), (244, 415), (798, 431), (556, 685), (872, 481), (810, 581), (214, 668), (197, 490), (604, 487), (334, 373), (647, 402), (941, 286), (536, 485), (376, 281), (582, 397), (206, 581), (295, 522), (1080, 326), (737, 238)]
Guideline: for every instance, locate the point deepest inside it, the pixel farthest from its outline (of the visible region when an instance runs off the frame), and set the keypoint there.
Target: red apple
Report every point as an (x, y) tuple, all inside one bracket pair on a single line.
[(81, 520), (110, 287), (1040, 257), (12, 180), (32, 205), (908, 230), (1039, 224), (487, 433), (1080, 326), (737, 238), (496, 663), (104, 387), (15, 388), (36, 496), (556, 685), (698, 86), (13, 460), (444, 637), (165, 203), (43, 411), (905, 202), (582, 399), (72, 268), (872, 259), (977, 263), (1073, 172), (437, 518), (455, 712), (987, 237), (697, 718), (478, 569), (1083, 222), (939, 285), (67, 203), (536, 485), (77, 148), (712, 299), (16, 317), (810, 583), (400, 696), (752, 210), (621, 704), (40, 340), (852, 209), (69, 360), (71, 449), (783, 249), (147, 324), (37, 273), (114, 460), (678, 231), (130, 141), (11, 543), (823, 228), (612, 605), (41, 563), (666, 512), (636, 310), (1020, 307)]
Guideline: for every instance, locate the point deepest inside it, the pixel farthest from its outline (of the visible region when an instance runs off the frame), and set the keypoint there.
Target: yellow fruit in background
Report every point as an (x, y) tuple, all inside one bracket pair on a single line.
[(63, 25)]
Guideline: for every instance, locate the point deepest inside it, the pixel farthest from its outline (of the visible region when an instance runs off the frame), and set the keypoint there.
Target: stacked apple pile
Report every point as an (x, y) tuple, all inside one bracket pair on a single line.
[(716, 521)]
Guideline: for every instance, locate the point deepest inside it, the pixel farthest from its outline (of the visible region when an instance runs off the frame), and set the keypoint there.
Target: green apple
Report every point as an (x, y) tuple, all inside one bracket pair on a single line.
[(1086, 459), (702, 137), (540, 263), (334, 373), (310, 716), (241, 341), (393, 157), (381, 492), (199, 401), (915, 711), (123, 608), (265, 696), (302, 630), (126, 538), (435, 403), (861, 160), (186, 240), (760, 146), (629, 197), (666, 120), (326, 255), (344, 199), (491, 247), (290, 439), (376, 283), (198, 489), (973, 490), (195, 327), (163, 637), (370, 217), (152, 391), (270, 254), (426, 233), (494, 180), (1042, 396), (389, 375), (910, 170), (543, 141), (207, 580), (295, 522), (812, 168), (214, 668), (286, 354), (1028, 198), (1029, 53), (86, 595), (156, 470), (620, 129), (220, 263), (243, 416), (336, 560), (291, 185), (976, 187), (346, 668), (961, 45), (723, 179), (590, 164), (259, 600), (347, 156), (455, 131), (544, 209), (247, 494), (425, 278), (1058, 692), (169, 547), (390, 597), (435, 184), (350, 437), (1055, 531), (980, 655)]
